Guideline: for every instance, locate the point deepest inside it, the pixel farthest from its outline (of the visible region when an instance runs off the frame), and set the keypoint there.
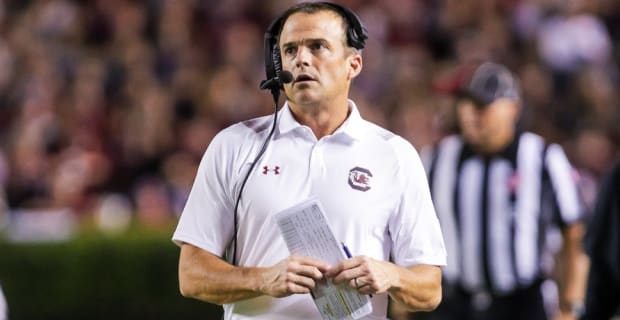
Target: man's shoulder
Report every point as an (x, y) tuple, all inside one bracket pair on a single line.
[(376, 131), (256, 125), (535, 143), (241, 135), (531, 136), (380, 138), (451, 141), (246, 129)]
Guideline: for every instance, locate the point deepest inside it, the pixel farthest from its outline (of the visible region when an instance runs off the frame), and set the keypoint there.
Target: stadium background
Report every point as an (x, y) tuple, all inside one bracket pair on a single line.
[(106, 107)]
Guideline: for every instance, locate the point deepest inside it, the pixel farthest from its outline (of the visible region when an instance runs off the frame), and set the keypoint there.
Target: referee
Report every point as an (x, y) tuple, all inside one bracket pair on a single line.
[(498, 192)]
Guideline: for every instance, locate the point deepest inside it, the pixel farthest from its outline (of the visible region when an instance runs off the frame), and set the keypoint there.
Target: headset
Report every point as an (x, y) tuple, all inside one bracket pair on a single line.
[(276, 77)]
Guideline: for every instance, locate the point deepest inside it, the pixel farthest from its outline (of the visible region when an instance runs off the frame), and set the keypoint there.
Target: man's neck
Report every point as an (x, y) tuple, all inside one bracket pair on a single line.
[(497, 144), (322, 119)]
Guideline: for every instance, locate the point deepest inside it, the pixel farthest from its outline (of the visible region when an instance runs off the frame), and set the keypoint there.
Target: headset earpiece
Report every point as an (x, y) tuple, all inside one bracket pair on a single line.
[(277, 60), (273, 61)]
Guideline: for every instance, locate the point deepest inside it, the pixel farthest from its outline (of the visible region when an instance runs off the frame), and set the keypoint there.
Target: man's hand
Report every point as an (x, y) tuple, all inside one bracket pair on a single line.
[(367, 275), (207, 277), (417, 288), (295, 274)]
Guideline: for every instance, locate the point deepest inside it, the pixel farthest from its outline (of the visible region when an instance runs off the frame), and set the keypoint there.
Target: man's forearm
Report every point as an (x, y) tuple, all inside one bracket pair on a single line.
[(224, 283), (418, 288), (576, 266), (204, 276)]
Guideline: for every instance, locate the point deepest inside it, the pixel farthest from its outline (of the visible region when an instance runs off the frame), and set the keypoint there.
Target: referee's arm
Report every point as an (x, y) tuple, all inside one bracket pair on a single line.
[(574, 264)]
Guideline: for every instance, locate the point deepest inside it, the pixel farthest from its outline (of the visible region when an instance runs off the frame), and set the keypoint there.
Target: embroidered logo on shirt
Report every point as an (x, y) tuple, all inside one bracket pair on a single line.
[(513, 182), (359, 178), (275, 170)]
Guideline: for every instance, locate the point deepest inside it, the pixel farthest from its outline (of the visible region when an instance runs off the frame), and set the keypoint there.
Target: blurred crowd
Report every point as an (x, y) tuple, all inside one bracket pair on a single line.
[(106, 106)]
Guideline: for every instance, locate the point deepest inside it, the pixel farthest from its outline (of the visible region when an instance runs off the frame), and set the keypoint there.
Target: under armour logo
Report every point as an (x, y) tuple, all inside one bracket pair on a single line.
[(275, 170)]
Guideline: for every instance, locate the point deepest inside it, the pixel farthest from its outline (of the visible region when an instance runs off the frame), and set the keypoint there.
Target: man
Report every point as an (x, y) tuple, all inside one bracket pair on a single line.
[(498, 192), (370, 182), (603, 246)]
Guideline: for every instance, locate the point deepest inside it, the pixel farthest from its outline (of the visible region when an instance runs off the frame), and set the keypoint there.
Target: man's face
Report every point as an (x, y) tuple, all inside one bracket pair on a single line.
[(313, 49), (489, 128)]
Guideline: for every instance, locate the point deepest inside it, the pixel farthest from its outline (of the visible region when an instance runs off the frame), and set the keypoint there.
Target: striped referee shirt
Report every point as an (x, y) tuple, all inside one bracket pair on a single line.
[(494, 210)]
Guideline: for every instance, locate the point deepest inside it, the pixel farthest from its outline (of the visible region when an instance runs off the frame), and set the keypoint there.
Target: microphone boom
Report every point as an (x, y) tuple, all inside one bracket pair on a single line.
[(276, 82)]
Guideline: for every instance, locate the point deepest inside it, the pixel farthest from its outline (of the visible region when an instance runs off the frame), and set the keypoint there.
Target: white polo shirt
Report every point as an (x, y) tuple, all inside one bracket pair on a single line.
[(370, 182)]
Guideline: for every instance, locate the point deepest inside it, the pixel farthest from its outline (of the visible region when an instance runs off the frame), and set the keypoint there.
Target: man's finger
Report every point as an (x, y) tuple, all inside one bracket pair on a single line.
[(309, 261), (309, 271), (301, 281)]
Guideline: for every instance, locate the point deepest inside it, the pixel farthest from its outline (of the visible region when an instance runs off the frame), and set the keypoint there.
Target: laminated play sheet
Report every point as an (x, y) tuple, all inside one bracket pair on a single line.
[(306, 232)]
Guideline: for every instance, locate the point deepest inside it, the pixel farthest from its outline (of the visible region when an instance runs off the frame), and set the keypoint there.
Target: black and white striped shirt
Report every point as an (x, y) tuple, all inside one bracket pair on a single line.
[(495, 210)]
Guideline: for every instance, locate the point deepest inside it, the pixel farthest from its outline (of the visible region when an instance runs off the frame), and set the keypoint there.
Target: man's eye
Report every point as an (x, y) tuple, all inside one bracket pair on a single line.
[(316, 46), (289, 51)]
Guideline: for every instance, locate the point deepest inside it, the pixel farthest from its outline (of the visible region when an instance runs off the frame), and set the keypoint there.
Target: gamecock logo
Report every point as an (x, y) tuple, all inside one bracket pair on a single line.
[(359, 179)]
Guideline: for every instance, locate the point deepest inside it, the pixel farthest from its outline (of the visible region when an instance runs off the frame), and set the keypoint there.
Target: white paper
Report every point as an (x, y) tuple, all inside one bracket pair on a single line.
[(306, 232)]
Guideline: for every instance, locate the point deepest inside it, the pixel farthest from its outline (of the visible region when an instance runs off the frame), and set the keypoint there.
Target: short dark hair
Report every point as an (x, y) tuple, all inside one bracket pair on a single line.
[(355, 31)]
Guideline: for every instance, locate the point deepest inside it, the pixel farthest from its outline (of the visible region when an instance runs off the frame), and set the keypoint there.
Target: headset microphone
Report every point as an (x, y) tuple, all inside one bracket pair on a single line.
[(276, 82)]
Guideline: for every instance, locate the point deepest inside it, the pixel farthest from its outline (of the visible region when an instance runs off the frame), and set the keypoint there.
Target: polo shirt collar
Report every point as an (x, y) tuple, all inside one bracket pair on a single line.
[(351, 127)]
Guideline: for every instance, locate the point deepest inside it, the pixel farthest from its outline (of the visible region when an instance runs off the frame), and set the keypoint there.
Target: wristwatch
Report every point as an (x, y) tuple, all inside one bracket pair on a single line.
[(575, 308)]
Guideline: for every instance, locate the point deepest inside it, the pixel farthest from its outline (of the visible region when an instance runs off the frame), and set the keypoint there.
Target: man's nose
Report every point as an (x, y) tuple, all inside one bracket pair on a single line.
[(303, 57)]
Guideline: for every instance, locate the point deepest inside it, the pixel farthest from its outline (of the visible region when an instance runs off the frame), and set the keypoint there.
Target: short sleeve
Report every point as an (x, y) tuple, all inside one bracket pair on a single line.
[(207, 218), (563, 181), (414, 227)]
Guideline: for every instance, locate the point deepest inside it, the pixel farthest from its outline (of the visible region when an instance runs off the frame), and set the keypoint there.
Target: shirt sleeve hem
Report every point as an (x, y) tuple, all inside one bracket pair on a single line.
[(181, 239), (439, 261)]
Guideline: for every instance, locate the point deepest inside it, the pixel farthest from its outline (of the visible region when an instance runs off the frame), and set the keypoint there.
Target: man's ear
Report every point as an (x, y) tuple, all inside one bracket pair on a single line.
[(355, 65)]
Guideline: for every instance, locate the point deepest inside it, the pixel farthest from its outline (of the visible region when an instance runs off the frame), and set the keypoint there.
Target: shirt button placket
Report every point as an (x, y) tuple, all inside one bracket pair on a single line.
[(317, 162)]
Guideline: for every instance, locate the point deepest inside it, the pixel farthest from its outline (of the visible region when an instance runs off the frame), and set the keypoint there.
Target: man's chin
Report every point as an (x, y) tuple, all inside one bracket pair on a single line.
[(473, 140), (304, 98)]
